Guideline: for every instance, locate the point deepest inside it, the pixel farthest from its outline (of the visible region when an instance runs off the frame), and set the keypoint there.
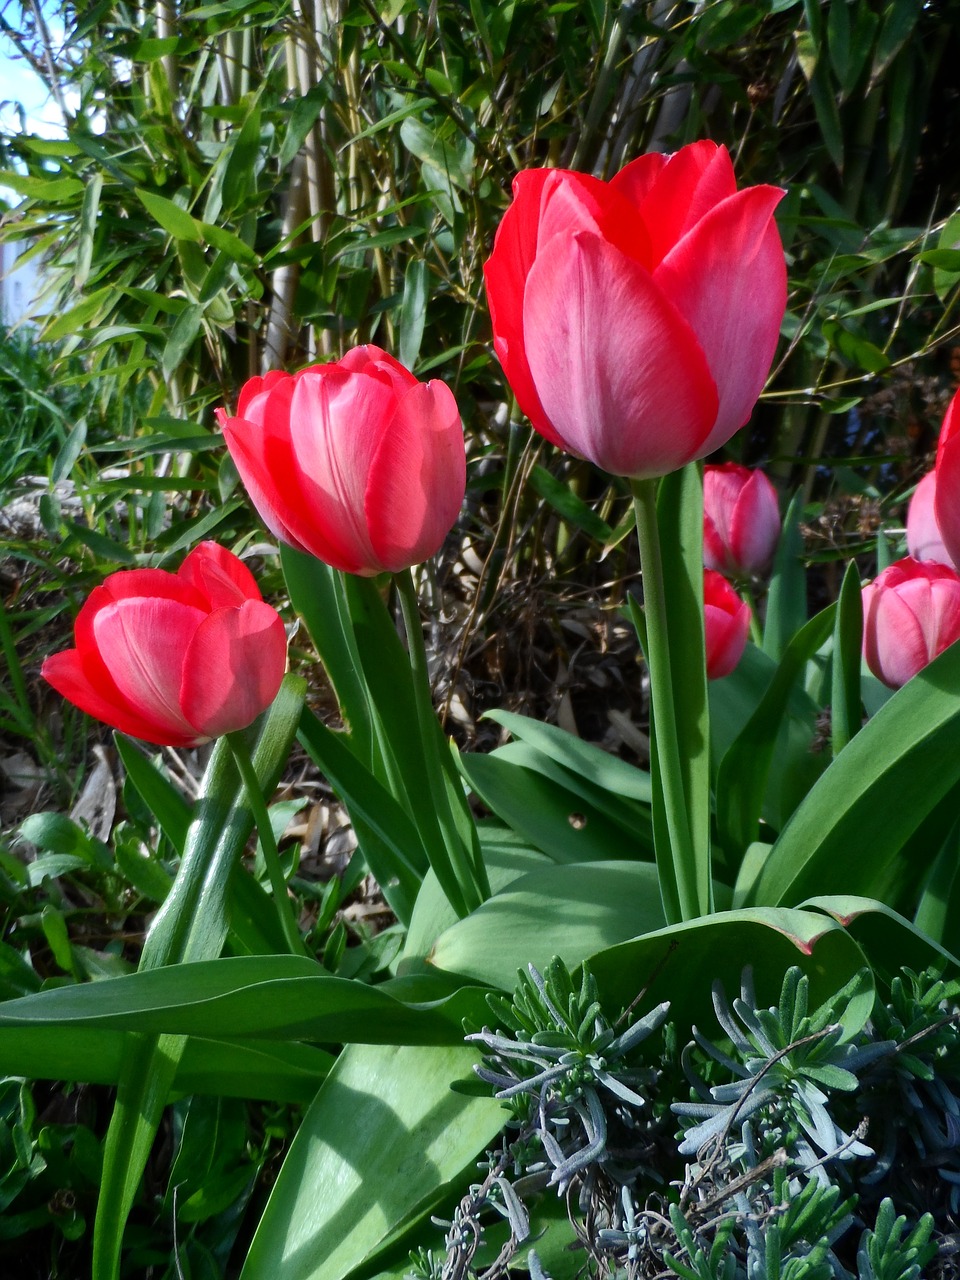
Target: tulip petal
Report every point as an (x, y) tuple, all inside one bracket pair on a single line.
[(728, 278), (261, 454), (620, 373), (374, 360), (417, 477), (755, 525), (219, 576), (924, 540), (947, 502), (88, 686), (232, 668), (505, 274), (142, 643), (336, 423), (691, 182), (895, 645)]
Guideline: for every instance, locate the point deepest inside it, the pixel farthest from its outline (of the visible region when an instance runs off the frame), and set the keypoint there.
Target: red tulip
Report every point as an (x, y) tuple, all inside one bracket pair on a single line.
[(924, 541), (175, 658), (355, 462), (741, 520), (636, 319), (726, 623), (911, 613), (947, 503)]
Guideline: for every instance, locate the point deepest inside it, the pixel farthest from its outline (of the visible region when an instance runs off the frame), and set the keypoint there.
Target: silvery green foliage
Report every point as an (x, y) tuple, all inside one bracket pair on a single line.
[(786, 1063), (776, 1181), (566, 1073), (892, 1252), (912, 1100)]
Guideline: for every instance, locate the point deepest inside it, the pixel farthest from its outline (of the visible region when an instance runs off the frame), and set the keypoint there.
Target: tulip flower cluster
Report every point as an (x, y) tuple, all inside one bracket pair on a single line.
[(636, 321), (911, 611)]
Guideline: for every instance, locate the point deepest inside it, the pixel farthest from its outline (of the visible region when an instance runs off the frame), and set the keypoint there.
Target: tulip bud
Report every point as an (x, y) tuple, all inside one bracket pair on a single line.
[(175, 658), (741, 520), (636, 320), (355, 462), (726, 624), (911, 613)]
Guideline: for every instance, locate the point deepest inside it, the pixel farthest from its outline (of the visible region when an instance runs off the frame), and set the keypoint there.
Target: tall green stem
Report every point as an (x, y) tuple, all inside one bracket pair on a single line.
[(271, 855), (676, 863)]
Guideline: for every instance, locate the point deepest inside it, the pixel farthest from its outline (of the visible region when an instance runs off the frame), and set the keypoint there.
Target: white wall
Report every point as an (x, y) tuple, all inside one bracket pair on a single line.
[(18, 284)]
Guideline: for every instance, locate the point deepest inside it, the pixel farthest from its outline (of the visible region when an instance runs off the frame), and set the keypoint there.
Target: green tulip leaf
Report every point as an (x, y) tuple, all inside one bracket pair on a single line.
[(680, 963), (384, 1139), (848, 833), (227, 1068), (433, 914), (551, 811), (592, 764), (248, 997), (889, 940), (569, 911), (744, 769)]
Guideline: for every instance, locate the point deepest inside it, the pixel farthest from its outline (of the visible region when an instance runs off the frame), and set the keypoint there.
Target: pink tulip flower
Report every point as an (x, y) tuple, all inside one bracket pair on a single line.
[(911, 613), (947, 499), (924, 541), (637, 319), (175, 658), (726, 624), (741, 520), (355, 462)]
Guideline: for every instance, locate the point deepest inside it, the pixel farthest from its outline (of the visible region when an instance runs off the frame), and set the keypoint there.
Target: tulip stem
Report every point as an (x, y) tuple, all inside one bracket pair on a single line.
[(465, 863), (676, 864), (756, 631), (271, 855)]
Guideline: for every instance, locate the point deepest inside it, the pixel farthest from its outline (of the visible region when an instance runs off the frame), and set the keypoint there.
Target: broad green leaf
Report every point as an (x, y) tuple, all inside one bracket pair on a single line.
[(388, 838), (938, 912), (55, 190), (191, 924), (159, 794), (680, 516), (303, 115), (94, 306), (181, 338), (569, 911), (846, 836), (433, 914), (255, 1069), (787, 598), (317, 594), (570, 505), (680, 963), (250, 998), (384, 1139), (846, 703), (592, 763), (888, 939), (547, 813), (174, 220), (442, 148), (413, 311), (240, 175), (235, 249), (588, 802), (742, 775)]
